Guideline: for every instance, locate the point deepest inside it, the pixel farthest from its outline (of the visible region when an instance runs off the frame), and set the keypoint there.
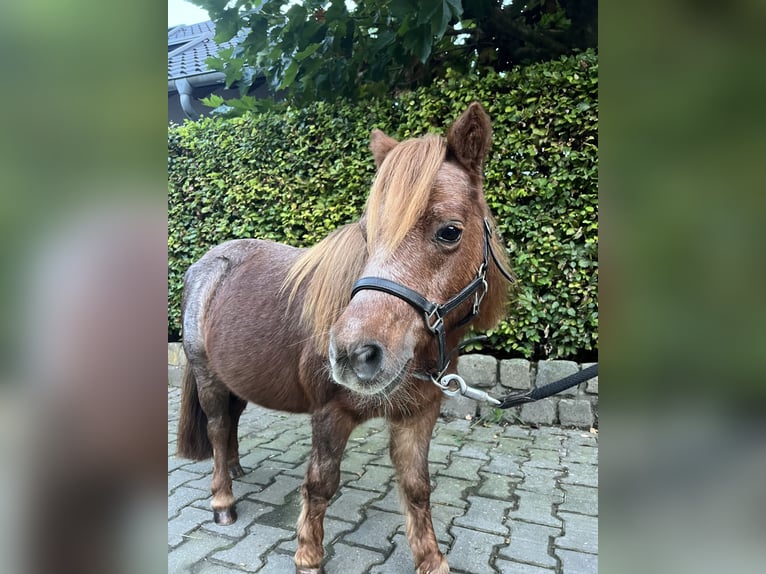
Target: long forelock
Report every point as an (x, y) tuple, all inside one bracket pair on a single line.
[(402, 188)]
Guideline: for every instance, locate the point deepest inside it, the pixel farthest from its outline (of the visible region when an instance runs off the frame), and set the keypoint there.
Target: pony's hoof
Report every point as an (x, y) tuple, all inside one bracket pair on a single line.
[(306, 570), (225, 517), (236, 471)]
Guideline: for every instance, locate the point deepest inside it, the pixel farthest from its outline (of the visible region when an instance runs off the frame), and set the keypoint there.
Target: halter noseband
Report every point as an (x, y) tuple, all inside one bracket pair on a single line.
[(434, 313)]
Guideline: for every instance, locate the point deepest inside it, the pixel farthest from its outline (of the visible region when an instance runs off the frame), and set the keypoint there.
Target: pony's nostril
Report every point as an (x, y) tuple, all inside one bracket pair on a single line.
[(366, 361)]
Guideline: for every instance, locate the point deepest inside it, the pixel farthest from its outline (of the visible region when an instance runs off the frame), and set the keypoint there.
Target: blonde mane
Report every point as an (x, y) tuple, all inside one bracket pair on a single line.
[(402, 188), (398, 198)]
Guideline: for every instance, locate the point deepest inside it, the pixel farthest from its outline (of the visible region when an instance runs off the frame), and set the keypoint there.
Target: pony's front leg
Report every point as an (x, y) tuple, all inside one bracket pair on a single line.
[(330, 431), (409, 453)]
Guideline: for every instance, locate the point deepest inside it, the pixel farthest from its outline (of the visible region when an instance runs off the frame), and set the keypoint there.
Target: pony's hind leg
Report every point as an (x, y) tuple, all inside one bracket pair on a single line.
[(331, 428), (409, 453), (236, 406), (215, 400)]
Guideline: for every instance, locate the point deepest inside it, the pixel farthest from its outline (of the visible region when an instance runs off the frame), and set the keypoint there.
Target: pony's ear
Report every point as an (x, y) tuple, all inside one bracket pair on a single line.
[(469, 138), (381, 144)]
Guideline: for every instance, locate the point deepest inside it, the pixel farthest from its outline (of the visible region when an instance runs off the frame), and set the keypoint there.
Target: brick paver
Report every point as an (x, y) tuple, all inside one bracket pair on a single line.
[(505, 499)]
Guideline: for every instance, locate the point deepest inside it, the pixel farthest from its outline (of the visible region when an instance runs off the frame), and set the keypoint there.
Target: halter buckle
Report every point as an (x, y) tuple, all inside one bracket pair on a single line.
[(434, 319), (478, 298)]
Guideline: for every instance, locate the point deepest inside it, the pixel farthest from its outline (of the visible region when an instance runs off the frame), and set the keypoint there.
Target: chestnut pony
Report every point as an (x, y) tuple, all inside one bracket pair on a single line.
[(280, 327)]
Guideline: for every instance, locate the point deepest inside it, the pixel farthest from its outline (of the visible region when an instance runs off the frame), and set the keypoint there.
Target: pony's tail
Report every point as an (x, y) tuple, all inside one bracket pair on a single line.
[(192, 442)]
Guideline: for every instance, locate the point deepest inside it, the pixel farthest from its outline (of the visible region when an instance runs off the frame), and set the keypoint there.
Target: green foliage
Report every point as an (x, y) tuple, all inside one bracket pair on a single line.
[(293, 175), (328, 49)]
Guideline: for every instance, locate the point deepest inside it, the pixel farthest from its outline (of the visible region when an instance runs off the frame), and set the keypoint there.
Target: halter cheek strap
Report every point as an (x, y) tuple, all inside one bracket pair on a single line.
[(434, 313)]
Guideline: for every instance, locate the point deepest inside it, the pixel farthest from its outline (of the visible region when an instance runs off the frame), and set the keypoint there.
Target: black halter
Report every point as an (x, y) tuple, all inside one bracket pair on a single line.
[(434, 313)]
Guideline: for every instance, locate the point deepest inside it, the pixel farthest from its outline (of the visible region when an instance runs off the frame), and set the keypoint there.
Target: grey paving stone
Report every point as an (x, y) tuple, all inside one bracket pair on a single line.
[(515, 374), (201, 467), (296, 454), (376, 443), (180, 476), (472, 550), (355, 461), (478, 370), (580, 533), (577, 562), (580, 438), (443, 516), (509, 567), (376, 529), (541, 480), (537, 508), (376, 478), (400, 560), (286, 440), (175, 462), (576, 413), (249, 443), (188, 519), (459, 407), (485, 514), (580, 454), (349, 505), (208, 566), (449, 491), (278, 564), (591, 385), (390, 502), (471, 449), (298, 471), (485, 433), (530, 543), (276, 492), (183, 496), (543, 458), (352, 560), (580, 499), (192, 551), (283, 515), (450, 432), (550, 437), (516, 431), (514, 446), (504, 464), (542, 412), (440, 453), (176, 354), (496, 486), (175, 375), (461, 467), (582, 474), (247, 552)]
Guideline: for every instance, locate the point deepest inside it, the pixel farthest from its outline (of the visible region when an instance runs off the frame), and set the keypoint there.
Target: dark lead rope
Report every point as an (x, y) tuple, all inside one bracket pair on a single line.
[(550, 389)]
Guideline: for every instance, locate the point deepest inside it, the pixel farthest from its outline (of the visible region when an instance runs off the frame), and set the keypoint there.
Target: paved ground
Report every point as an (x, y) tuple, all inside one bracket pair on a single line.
[(505, 499)]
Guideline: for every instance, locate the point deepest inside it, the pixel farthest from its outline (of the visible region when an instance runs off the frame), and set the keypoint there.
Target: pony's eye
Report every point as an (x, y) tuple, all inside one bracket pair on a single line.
[(449, 234)]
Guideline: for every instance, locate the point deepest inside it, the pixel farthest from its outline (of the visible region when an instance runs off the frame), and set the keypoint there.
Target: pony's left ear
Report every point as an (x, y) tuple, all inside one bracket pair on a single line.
[(469, 138), (381, 144)]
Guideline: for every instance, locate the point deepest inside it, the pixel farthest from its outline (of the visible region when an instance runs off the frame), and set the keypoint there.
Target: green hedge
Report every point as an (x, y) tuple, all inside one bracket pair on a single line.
[(293, 175)]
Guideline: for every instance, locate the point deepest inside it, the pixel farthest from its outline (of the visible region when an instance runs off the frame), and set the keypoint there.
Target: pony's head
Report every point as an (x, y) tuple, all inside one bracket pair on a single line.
[(424, 229)]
